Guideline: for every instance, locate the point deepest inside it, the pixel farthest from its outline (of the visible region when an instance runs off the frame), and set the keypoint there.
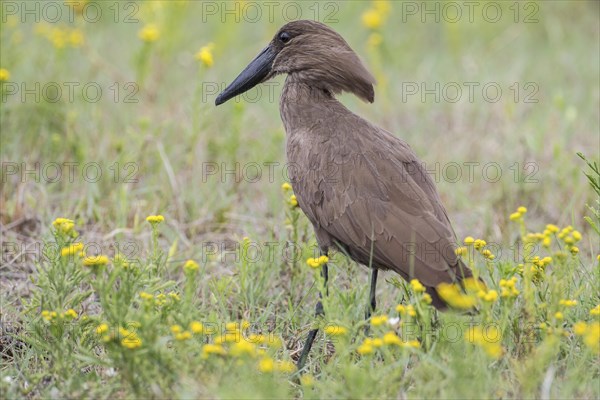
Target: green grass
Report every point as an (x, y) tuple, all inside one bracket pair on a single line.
[(173, 133)]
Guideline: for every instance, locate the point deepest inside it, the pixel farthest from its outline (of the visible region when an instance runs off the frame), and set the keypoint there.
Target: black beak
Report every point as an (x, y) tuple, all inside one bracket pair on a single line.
[(251, 76)]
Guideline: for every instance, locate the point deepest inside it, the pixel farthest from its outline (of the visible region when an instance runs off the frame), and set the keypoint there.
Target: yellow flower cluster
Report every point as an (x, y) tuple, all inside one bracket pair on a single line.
[(451, 294), (4, 75), (317, 262), (375, 16), (204, 55), (369, 345), (487, 339), (65, 226), (417, 286), (590, 334), (378, 320), (129, 339), (489, 297), (293, 201), (190, 267), (72, 249), (267, 365), (409, 309), (180, 334), (568, 303), (595, 311), (160, 299), (61, 36), (286, 187), (149, 33), (335, 330), (538, 267), (155, 219), (96, 261), (49, 315), (518, 215), (508, 287), (478, 244)]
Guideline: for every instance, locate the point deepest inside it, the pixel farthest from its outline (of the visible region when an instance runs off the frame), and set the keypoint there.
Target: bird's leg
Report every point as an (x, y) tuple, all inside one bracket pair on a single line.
[(319, 311), (372, 299)]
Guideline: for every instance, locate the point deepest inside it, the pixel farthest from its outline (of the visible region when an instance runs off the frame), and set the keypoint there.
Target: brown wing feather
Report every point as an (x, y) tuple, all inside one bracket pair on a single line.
[(366, 188)]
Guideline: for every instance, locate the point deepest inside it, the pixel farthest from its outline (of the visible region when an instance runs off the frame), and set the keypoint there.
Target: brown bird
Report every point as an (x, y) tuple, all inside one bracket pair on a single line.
[(363, 189)]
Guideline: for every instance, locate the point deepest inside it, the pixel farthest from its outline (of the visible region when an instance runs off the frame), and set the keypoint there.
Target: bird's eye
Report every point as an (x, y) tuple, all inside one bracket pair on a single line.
[(284, 37)]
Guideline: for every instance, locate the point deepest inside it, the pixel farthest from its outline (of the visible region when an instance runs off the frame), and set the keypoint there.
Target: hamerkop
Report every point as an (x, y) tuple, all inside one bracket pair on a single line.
[(363, 189)]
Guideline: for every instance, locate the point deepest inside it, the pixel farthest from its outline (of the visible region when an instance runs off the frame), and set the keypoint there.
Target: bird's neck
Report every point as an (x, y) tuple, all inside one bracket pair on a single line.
[(303, 103)]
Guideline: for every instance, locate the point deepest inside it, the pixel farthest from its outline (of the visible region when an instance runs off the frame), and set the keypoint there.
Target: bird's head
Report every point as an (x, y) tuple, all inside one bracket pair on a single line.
[(317, 56)]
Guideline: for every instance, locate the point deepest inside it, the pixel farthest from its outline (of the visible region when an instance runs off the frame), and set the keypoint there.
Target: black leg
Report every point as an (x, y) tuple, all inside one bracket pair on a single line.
[(372, 299), (313, 333)]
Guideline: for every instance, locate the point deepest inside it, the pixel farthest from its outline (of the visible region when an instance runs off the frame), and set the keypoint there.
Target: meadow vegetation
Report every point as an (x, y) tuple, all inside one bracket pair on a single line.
[(152, 245)]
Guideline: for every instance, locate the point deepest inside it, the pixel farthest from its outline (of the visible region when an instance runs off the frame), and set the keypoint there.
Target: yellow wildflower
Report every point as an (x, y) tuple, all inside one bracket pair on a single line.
[(488, 339), (293, 201), (204, 55), (266, 365), (285, 367), (95, 261), (208, 349), (76, 38), (559, 316), (479, 244), (372, 18), (4, 74), (243, 348), (185, 335), (415, 344), (416, 286), (70, 313), (72, 249), (175, 329), (426, 298), (576, 236), (196, 327), (574, 250), (364, 349), (335, 330), (552, 228), (469, 240), (101, 329), (522, 210), (568, 303), (190, 266), (64, 225), (378, 320), (391, 338), (515, 216), (286, 187), (383, 6), (461, 251), (595, 311), (377, 342), (131, 342), (149, 33), (317, 262), (452, 295), (579, 328), (592, 337), (155, 219), (49, 315)]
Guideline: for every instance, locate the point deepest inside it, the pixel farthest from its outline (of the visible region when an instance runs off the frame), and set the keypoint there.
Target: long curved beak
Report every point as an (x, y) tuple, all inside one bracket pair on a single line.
[(251, 76)]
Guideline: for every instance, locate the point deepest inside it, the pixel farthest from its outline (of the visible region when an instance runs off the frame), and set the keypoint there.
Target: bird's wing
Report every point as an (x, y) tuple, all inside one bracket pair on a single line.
[(368, 191)]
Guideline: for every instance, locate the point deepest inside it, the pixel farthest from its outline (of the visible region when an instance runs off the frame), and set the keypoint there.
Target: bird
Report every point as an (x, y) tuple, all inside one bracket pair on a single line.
[(364, 190)]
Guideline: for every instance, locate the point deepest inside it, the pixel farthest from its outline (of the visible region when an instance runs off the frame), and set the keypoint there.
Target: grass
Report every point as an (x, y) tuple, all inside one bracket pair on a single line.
[(172, 153)]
